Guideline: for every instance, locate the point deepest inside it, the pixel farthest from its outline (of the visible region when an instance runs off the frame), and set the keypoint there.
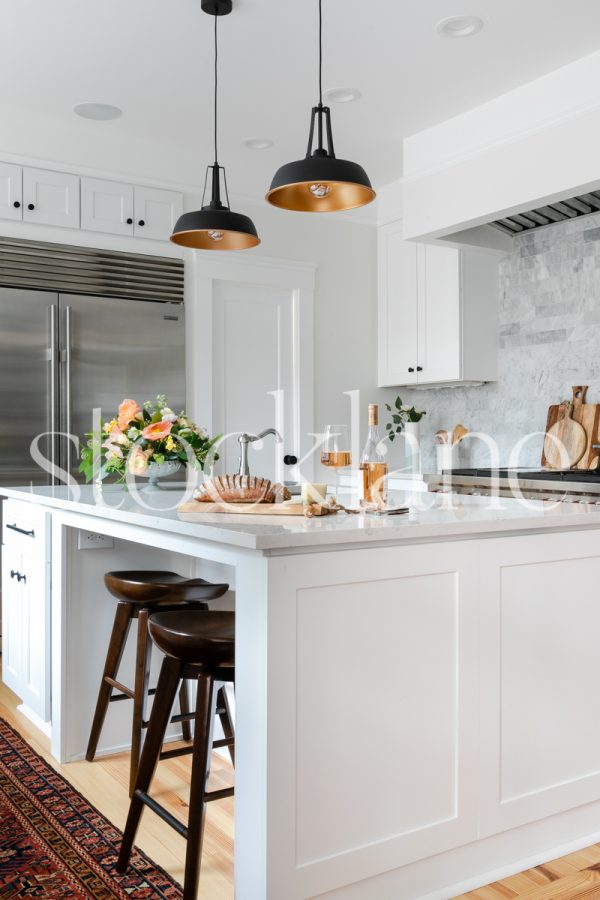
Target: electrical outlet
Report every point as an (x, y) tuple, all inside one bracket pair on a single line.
[(91, 540)]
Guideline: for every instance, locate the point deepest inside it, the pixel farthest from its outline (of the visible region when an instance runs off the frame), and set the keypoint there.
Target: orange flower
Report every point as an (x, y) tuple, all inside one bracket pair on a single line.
[(157, 431), (128, 411)]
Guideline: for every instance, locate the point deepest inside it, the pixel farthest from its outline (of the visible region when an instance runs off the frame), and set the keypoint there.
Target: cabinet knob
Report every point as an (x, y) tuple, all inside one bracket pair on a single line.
[(17, 204), (290, 460), (419, 368), (30, 206), (130, 221), (141, 222), (410, 369)]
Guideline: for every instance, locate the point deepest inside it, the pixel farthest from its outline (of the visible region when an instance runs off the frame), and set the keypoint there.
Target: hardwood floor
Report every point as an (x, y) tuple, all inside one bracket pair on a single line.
[(572, 877), (104, 784)]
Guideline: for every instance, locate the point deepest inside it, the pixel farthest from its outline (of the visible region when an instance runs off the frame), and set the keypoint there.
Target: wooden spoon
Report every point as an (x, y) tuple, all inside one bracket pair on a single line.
[(459, 433), (442, 437)]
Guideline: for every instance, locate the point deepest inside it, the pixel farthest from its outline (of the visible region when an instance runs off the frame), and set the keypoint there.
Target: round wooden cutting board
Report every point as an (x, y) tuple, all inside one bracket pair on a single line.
[(568, 433)]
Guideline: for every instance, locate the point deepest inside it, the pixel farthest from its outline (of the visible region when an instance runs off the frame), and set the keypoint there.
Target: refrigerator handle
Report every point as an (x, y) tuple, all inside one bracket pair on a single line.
[(53, 358), (67, 357)]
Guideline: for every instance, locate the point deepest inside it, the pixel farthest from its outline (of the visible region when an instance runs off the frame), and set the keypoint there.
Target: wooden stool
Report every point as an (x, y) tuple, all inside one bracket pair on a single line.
[(202, 647), (139, 593)]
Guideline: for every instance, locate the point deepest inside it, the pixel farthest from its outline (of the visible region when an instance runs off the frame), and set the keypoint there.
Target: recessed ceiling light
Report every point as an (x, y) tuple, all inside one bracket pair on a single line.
[(342, 95), (459, 26), (100, 112), (258, 143)]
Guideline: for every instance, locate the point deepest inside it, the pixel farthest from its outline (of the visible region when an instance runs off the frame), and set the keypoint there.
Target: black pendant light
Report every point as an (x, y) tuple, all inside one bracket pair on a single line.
[(215, 226), (320, 182)]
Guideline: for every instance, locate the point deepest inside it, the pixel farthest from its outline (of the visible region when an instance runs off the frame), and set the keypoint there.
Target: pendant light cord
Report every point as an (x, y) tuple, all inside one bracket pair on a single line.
[(216, 84), (320, 52)]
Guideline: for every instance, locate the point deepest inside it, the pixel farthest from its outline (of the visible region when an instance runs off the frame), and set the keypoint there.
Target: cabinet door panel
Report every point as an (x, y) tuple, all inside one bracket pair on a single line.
[(26, 605), (156, 212), (439, 314), (106, 206), (398, 311), (12, 610), (11, 183), (54, 197)]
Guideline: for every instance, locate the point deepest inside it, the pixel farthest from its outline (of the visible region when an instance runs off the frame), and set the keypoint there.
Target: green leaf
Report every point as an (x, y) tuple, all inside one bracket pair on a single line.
[(396, 419), (392, 436), (388, 426), (398, 403)]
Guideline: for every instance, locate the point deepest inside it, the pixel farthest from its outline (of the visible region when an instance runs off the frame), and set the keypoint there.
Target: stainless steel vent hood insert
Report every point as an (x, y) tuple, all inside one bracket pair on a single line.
[(561, 211)]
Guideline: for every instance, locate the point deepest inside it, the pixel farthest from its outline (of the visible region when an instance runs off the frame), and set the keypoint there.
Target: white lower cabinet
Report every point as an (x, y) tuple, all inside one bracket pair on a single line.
[(438, 312), (26, 605)]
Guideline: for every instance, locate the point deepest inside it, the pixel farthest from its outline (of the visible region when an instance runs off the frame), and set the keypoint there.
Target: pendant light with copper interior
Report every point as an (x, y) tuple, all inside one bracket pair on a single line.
[(215, 226), (320, 182)]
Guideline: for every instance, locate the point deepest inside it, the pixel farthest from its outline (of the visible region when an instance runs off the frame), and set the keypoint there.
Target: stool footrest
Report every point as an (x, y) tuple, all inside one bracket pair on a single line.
[(218, 795), (179, 751), (126, 692), (160, 811)]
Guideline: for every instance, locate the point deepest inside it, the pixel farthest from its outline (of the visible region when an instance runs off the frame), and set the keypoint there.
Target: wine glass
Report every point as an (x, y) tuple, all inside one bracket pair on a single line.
[(336, 451)]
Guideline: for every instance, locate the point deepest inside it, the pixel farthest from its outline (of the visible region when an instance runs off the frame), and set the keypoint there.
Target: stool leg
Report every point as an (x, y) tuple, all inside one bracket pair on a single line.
[(164, 698), (118, 637), (226, 719), (200, 768), (142, 678), (184, 707)]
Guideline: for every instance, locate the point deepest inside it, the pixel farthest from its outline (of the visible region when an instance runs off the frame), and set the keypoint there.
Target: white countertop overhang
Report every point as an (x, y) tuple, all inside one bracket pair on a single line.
[(433, 517)]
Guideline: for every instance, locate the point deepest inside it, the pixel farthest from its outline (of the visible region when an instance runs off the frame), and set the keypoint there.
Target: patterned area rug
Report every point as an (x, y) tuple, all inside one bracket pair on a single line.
[(54, 844)]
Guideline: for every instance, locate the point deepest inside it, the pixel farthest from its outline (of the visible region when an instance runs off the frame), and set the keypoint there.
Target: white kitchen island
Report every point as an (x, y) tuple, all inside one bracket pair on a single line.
[(417, 696)]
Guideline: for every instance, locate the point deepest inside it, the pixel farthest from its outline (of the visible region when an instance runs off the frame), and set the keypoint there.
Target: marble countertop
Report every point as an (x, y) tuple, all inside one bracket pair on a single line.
[(432, 517)]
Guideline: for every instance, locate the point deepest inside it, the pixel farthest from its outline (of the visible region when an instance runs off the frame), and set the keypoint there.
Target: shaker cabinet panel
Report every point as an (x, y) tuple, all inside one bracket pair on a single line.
[(438, 312), (50, 198), (398, 313), (106, 206), (156, 212), (439, 338), (26, 605), (11, 190)]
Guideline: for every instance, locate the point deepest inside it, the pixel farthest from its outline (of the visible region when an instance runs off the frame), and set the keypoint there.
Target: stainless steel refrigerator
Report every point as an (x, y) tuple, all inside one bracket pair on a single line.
[(62, 355)]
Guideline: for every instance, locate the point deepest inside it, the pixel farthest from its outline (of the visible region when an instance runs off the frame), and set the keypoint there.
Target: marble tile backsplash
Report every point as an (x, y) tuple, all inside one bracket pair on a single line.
[(549, 340)]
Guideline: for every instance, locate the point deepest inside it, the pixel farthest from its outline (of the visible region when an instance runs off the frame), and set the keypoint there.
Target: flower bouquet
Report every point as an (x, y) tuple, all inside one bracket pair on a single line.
[(143, 440)]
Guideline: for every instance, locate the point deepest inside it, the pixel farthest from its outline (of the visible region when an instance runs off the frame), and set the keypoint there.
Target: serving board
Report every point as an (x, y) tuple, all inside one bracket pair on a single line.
[(588, 416), (244, 509)]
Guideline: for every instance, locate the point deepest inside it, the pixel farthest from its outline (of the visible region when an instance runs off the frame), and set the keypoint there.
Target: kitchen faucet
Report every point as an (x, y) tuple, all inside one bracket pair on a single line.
[(245, 439)]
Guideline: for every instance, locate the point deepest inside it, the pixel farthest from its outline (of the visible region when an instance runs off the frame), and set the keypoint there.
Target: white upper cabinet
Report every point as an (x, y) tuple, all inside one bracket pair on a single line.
[(156, 212), (438, 313), (11, 191), (106, 206), (44, 197), (50, 198)]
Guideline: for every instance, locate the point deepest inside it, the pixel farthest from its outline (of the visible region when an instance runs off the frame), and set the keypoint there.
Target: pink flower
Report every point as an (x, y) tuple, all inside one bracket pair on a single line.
[(137, 461), (128, 411), (157, 431), (113, 451)]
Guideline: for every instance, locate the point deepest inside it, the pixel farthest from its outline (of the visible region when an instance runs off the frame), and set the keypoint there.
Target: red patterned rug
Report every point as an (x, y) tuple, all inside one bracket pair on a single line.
[(54, 844)]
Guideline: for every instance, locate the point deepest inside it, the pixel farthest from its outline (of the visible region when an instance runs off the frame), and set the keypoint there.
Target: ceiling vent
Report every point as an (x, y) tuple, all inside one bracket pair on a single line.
[(582, 205)]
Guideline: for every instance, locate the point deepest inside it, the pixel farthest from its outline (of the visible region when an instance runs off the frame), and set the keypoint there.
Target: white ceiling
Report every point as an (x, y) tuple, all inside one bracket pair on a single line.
[(153, 58)]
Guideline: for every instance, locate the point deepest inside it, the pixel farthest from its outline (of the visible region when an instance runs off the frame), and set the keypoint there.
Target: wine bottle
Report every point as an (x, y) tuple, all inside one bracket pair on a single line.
[(372, 463)]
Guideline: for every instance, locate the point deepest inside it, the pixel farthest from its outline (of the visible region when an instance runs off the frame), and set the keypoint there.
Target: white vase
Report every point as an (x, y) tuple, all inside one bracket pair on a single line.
[(159, 470), (412, 446)]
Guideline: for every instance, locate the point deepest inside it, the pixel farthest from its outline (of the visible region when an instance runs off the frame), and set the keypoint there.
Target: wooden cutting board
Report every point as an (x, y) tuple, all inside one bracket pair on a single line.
[(244, 509), (588, 416)]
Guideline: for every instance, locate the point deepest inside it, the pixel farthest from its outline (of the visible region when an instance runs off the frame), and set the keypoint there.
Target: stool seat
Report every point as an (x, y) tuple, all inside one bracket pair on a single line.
[(151, 588), (204, 640)]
